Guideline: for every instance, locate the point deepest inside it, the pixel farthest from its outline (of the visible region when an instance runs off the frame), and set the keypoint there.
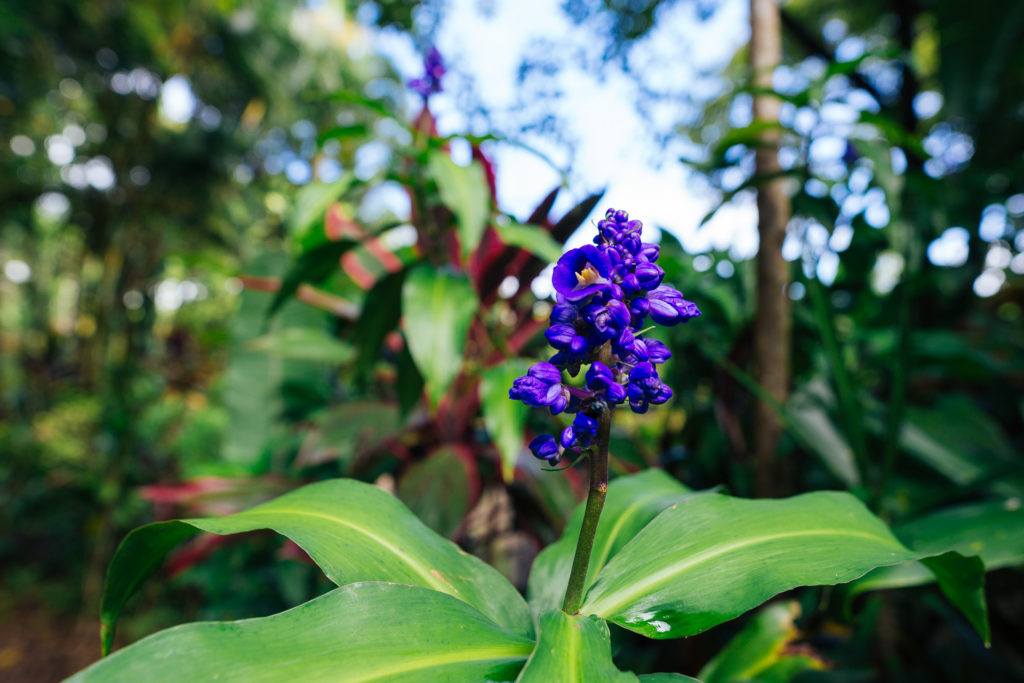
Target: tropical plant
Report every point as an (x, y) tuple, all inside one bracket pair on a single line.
[(643, 553)]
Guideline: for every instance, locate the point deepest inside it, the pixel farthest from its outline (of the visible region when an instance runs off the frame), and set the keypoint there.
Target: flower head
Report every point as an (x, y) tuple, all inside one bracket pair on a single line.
[(433, 71), (604, 293)]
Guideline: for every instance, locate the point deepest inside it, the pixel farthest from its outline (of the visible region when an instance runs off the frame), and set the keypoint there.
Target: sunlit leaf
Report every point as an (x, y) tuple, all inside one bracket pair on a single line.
[(463, 190), (757, 647), (437, 308), (532, 238), (632, 501), (709, 558), (505, 419), (361, 632), (353, 531), (572, 649)]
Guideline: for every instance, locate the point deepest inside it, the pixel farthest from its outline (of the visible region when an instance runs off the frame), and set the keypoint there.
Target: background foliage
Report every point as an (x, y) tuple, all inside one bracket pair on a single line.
[(224, 303)]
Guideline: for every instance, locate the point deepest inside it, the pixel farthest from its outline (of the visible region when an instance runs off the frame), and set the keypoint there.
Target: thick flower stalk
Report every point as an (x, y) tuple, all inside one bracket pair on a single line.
[(605, 293), (433, 71)]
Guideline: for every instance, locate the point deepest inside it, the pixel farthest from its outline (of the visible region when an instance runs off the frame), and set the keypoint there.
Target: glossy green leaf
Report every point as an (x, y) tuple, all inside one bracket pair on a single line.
[(463, 190), (532, 238), (353, 531), (505, 419), (631, 503), (962, 581), (709, 558), (667, 678), (312, 344), (437, 309), (360, 632), (382, 309), (756, 647), (437, 489), (992, 530), (572, 649)]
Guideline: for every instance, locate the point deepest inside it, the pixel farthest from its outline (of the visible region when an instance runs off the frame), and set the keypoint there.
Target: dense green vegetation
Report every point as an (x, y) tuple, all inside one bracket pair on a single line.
[(291, 286)]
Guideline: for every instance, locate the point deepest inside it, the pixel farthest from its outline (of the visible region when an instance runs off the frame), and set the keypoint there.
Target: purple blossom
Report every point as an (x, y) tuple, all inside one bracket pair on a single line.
[(604, 293), (433, 71), (581, 273)]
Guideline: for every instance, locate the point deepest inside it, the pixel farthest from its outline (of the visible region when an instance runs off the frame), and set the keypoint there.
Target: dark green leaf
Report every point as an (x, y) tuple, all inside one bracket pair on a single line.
[(437, 489), (310, 267)]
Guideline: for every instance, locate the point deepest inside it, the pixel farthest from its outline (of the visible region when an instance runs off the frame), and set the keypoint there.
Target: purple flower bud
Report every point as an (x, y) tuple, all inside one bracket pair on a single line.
[(580, 433), (563, 313), (668, 307), (649, 276), (601, 379), (546, 448)]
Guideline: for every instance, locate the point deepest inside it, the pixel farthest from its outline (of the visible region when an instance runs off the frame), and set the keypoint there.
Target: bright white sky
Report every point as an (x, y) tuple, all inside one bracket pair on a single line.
[(615, 147)]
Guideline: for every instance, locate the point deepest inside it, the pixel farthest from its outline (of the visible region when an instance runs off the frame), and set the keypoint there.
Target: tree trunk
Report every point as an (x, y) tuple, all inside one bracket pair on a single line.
[(772, 327)]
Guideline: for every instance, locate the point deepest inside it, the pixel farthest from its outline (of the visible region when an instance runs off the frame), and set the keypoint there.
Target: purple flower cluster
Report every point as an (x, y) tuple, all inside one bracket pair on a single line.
[(433, 71), (604, 294)]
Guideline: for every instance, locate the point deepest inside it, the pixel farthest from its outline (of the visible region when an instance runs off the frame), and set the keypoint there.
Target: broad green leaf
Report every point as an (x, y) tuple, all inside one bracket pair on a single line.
[(360, 632), (992, 530), (437, 309), (709, 558), (353, 531), (382, 309), (755, 648), (631, 503), (463, 190), (312, 344), (532, 238), (437, 489), (667, 678), (572, 649), (505, 419)]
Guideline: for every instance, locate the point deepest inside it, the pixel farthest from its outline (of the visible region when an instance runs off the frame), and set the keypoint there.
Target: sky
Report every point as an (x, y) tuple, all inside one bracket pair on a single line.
[(615, 147)]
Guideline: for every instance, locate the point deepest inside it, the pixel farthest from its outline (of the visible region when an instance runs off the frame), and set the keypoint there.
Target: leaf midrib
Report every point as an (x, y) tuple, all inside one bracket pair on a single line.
[(442, 659), (417, 567), (629, 512), (609, 604)]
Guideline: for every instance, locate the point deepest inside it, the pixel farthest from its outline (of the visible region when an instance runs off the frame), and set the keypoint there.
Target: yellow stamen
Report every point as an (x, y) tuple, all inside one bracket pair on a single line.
[(587, 276)]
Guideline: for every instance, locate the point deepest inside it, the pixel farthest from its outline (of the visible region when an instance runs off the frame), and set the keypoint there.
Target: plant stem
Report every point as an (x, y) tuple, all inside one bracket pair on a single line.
[(595, 503)]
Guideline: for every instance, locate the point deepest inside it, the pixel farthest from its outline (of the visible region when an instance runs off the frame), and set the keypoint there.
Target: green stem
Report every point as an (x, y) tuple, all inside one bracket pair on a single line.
[(595, 503)]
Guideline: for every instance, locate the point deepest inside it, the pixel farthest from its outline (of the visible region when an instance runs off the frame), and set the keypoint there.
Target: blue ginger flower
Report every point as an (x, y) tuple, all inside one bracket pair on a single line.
[(603, 294), (433, 71)]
